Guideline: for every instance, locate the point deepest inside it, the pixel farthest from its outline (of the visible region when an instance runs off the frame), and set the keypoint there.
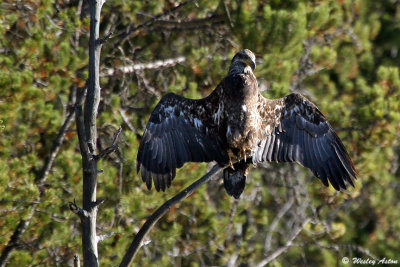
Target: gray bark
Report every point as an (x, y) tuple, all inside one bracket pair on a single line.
[(93, 95), (87, 133)]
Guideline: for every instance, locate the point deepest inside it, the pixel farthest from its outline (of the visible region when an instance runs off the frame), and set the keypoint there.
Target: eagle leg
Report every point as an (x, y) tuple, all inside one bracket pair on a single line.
[(231, 156)]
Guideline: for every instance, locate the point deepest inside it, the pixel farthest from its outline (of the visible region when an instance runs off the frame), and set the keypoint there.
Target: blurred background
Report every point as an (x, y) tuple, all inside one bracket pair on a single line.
[(343, 55)]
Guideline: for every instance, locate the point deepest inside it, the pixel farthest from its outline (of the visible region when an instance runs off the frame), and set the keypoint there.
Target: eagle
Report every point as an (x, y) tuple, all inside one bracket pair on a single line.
[(237, 127)]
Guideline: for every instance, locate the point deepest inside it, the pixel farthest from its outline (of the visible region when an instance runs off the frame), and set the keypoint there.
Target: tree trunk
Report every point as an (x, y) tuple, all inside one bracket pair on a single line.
[(87, 133)]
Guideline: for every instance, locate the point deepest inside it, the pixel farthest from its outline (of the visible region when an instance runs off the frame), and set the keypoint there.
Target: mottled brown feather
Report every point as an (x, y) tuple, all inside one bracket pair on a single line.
[(295, 130)]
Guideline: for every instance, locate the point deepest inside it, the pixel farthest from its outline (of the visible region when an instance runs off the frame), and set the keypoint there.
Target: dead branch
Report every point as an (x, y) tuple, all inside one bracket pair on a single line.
[(161, 211), (110, 149), (158, 64), (14, 240)]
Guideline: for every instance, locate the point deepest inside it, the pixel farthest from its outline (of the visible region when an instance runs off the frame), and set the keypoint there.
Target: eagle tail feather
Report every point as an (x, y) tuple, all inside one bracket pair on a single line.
[(235, 179)]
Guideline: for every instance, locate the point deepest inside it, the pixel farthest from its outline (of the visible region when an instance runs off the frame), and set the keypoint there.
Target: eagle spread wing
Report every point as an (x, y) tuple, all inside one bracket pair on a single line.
[(235, 121), (179, 130), (295, 130)]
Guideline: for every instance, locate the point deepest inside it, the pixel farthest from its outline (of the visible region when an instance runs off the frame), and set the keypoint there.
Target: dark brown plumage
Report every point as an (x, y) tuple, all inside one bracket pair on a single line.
[(236, 121)]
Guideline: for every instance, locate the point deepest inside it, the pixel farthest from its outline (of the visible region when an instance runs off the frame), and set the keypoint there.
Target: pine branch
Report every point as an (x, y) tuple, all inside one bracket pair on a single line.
[(40, 178)]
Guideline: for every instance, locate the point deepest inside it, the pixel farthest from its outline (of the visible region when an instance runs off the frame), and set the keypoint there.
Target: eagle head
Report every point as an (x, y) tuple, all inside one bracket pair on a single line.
[(246, 57)]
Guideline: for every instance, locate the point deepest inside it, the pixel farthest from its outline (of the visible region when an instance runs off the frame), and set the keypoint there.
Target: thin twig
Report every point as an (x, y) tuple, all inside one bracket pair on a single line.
[(113, 147), (104, 237), (228, 14), (101, 41), (282, 211), (306, 66), (125, 118), (77, 210), (161, 211)]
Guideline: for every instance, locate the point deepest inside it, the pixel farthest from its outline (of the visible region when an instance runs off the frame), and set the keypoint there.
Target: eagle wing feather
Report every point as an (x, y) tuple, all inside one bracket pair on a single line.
[(179, 130), (295, 130)]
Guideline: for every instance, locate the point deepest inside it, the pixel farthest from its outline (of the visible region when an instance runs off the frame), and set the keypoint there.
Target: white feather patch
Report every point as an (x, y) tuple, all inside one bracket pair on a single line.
[(169, 109), (197, 123), (268, 129)]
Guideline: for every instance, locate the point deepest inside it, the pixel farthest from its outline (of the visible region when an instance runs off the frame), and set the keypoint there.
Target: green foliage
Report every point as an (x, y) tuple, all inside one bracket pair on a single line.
[(350, 50)]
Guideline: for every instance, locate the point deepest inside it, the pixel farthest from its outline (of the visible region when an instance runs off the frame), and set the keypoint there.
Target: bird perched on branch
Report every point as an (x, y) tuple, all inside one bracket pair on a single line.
[(235, 124)]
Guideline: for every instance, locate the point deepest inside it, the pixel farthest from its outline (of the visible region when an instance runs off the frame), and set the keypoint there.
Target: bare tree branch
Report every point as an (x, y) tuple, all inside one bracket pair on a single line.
[(125, 118), (104, 237), (77, 261), (158, 64), (306, 66), (272, 227), (77, 210), (56, 147), (113, 147), (161, 211), (282, 249), (14, 240)]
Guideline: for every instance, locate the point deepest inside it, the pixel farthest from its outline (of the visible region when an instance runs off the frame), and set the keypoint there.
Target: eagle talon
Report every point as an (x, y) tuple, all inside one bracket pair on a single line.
[(243, 154), (231, 164)]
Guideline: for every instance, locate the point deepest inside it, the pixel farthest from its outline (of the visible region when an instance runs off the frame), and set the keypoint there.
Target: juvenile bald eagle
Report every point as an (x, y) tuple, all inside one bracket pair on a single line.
[(235, 123)]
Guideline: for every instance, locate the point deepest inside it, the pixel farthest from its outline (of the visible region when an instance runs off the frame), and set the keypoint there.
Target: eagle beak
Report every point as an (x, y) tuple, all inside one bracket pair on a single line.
[(250, 63), (253, 65)]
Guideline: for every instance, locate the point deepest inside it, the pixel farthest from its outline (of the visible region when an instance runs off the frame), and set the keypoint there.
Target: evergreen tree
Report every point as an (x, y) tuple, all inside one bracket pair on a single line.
[(343, 55)]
